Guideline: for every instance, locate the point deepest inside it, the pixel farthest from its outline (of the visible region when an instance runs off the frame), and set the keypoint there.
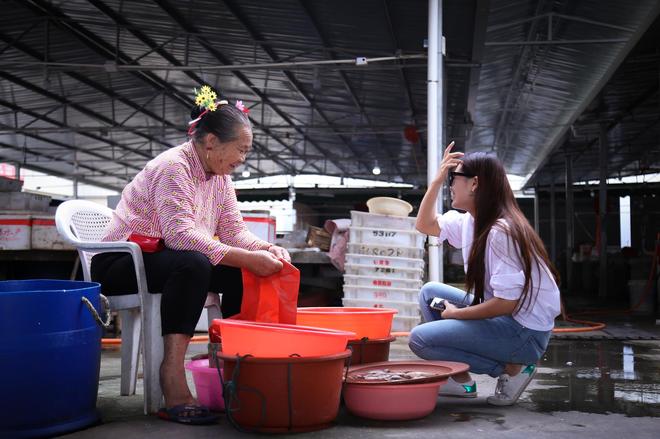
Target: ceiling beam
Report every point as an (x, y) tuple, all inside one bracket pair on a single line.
[(255, 35), (106, 50), (47, 119), (407, 90), (641, 148), (83, 110), (54, 158), (347, 85), (641, 99), (144, 38), (189, 27), (74, 149), (556, 138), (481, 12), (109, 52), (101, 88), (169, 57), (521, 61)]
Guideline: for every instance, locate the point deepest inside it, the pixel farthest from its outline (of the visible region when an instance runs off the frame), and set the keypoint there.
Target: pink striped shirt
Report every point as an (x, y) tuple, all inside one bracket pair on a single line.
[(175, 199)]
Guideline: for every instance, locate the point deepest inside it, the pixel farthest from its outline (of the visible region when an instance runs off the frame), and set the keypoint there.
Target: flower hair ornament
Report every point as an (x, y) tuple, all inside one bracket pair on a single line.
[(206, 98), (243, 108)]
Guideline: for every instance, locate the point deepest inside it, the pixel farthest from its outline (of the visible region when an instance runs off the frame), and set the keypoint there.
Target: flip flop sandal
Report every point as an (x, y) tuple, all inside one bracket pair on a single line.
[(188, 414)]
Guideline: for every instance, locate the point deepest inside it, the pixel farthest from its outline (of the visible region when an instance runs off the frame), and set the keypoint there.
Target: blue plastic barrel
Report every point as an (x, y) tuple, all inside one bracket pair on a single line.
[(50, 356)]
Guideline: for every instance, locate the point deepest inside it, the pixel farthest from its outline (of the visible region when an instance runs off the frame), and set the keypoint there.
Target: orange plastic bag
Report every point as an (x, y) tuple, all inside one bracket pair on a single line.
[(270, 299)]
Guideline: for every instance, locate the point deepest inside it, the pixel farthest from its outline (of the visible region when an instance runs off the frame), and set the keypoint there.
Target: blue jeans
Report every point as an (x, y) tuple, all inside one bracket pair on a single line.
[(487, 345)]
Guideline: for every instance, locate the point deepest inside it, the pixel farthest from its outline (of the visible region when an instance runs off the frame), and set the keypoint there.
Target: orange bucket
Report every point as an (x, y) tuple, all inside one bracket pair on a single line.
[(365, 322), (278, 340), (281, 395)]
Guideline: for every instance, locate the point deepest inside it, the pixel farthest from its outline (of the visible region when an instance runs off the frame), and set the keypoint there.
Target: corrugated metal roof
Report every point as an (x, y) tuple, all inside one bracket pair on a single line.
[(102, 123)]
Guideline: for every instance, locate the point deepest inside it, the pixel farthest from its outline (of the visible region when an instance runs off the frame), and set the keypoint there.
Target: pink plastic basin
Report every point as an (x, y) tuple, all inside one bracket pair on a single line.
[(365, 322), (277, 340), (207, 384), (391, 402)]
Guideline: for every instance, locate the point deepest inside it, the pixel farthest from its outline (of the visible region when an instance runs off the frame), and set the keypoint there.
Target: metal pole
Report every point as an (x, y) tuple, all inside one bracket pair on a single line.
[(536, 210), (75, 175), (602, 212), (553, 224), (434, 117), (569, 217)]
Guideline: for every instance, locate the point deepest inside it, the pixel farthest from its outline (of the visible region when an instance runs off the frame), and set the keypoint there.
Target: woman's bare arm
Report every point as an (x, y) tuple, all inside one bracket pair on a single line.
[(427, 218)]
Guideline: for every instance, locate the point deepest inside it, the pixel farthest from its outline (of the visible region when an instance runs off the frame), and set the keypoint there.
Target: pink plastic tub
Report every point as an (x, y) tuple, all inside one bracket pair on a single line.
[(207, 384), (392, 402)]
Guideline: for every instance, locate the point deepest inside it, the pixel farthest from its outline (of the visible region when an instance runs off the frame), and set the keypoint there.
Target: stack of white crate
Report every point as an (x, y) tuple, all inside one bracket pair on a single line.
[(384, 266)]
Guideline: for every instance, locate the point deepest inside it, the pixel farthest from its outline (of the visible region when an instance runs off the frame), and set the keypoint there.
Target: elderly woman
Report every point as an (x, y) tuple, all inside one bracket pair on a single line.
[(182, 199)]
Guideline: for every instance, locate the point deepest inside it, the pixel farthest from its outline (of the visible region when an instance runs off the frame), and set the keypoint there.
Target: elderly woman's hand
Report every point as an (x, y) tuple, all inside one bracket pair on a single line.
[(264, 263), (280, 252)]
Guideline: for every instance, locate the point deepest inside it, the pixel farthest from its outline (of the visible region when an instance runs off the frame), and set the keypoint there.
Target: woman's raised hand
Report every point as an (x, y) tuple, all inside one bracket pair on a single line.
[(264, 263), (449, 161)]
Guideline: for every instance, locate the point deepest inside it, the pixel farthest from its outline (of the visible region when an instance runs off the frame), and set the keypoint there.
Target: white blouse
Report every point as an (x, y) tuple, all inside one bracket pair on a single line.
[(504, 276)]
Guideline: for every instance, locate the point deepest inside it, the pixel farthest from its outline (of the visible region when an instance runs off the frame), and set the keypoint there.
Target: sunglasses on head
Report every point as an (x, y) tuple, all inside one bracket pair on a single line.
[(453, 174)]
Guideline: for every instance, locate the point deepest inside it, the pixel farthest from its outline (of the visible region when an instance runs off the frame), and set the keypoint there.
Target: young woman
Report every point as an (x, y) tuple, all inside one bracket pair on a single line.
[(503, 326), (185, 197)]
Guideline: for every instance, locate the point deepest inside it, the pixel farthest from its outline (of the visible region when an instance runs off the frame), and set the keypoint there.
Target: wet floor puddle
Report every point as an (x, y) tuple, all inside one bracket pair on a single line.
[(599, 377)]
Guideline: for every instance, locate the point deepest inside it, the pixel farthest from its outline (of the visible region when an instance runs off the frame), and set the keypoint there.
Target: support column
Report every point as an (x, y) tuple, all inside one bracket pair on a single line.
[(602, 212), (569, 216), (536, 210), (553, 224), (435, 111), (75, 175)]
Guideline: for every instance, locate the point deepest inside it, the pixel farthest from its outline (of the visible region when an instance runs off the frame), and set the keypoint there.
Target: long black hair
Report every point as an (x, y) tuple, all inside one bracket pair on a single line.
[(494, 200)]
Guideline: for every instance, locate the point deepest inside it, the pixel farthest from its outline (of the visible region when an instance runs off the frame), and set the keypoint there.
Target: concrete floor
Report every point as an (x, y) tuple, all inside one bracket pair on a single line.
[(605, 388)]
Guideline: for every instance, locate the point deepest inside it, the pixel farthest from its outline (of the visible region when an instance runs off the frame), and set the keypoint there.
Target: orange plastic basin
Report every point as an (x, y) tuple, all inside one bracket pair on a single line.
[(365, 322), (277, 340)]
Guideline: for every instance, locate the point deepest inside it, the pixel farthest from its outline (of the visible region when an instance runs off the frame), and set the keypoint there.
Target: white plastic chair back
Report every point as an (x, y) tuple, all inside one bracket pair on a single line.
[(82, 221)]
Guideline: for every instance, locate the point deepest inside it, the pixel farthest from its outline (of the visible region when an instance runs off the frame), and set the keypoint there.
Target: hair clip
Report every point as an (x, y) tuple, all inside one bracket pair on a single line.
[(243, 108)]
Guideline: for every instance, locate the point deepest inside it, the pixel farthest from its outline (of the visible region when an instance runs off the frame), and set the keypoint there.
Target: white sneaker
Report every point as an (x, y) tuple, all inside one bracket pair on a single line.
[(509, 388), (461, 390)]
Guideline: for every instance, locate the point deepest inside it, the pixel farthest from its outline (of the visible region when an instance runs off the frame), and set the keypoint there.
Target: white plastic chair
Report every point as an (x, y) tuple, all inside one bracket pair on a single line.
[(82, 223)]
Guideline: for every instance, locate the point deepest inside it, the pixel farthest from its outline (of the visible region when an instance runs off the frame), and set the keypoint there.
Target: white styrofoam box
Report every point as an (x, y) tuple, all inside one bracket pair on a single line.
[(384, 261), (376, 221), (382, 282), (45, 235), (382, 236), (404, 323), (261, 224), (410, 309), (386, 250), (380, 293), (384, 271), (15, 231)]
